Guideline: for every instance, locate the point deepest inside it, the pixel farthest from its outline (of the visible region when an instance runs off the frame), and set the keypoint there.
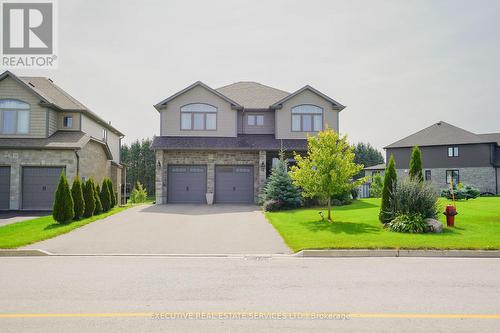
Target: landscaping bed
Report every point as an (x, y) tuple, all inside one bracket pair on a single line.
[(357, 226)]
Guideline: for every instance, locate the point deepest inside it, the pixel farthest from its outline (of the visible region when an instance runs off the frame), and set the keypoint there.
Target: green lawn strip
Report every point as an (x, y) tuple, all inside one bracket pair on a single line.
[(41, 228), (356, 226)]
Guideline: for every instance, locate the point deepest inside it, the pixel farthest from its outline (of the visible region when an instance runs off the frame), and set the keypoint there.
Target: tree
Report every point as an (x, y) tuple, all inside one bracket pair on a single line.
[(111, 192), (140, 161), (138, 194), (105, 196), (366, 155), (98, 205), (63, 209), (327, 169), (77, 194), (415, 172), (376, 186), (280, 189), (390, 181), (89, 197)]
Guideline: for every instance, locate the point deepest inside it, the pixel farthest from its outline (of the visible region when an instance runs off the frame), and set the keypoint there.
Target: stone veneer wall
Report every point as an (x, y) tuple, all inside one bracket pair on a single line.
[(481, 177), (498, 181), (94, 162), (16, 159), (210, 159)]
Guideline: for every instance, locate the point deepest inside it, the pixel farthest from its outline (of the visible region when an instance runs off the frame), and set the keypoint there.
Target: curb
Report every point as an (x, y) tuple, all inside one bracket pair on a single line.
[(24, 253), (399, 253)]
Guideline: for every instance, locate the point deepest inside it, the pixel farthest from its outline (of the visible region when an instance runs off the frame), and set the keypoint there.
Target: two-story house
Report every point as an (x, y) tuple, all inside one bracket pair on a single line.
[(451, 154), (44, 132), (218, 145)]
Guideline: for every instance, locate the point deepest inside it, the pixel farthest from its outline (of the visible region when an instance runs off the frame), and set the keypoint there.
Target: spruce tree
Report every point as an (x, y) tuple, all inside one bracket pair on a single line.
[(390, 181), (98, 205), (89, 197), (63, 209), (105, 196), (415, 172), (77, 194)]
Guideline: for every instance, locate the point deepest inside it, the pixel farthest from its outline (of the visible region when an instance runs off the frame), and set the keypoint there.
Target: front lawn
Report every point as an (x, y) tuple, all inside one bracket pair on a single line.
[(35, 230), (356, 226)]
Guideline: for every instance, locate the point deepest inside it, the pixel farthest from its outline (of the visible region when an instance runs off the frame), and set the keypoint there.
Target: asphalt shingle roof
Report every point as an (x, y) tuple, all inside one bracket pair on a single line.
[(58, 140), (253, 95)]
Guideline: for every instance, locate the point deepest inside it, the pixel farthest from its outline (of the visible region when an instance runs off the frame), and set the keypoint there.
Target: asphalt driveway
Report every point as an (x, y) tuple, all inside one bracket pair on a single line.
[(173, 229)]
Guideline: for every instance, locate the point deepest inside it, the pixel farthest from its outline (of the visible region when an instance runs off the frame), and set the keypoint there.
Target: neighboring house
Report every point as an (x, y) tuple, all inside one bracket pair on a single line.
[(218, 145), (373, 170), (43, 132), (451, 154)]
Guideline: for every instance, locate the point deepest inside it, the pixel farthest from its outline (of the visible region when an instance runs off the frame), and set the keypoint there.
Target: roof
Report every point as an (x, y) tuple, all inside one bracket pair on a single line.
[(493, 137), (54, 96), (58, 140), (376, 167), (253, 95), (241, 142), (336, 105), (441, 133)]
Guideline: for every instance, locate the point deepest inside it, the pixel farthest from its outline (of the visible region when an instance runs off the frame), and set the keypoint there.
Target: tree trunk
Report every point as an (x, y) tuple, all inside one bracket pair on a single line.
[(329, 209)]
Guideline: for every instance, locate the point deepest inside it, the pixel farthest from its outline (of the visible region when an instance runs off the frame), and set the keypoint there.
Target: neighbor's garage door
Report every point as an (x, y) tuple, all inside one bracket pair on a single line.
[(187, 184), (4, 187), (234, 184), (39, 187)]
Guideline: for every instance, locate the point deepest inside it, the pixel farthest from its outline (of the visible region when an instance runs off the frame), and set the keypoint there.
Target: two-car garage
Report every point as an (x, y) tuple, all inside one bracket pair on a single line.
[(232, 183)]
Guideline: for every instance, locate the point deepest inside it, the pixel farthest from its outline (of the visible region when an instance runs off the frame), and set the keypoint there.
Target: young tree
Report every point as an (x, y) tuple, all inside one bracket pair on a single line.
[(105, 196), (280, 188), (89, 197), (415, 172), (327, 169), (376, 186), (77, 194), (98, 205), (63, 210), (390, 181), (111, 192)]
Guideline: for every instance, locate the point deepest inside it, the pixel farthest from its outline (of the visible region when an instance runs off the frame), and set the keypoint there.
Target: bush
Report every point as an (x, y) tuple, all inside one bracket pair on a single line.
[(77, 194), (98, 204), (105, 196), (412, 197), (390, 181), (138, 194), (111, 192), (461, 192), (272, 205), (376, 186), (89, 197), (63, 209), (411, 223)]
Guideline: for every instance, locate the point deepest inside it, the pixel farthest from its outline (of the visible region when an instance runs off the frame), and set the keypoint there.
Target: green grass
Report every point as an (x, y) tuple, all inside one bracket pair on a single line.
[(35, 230), (356, 226)]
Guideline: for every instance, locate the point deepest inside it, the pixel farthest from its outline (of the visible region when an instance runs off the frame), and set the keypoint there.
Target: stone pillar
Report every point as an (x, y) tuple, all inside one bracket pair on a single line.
[(160, 181), (15, 177), (262, 169), (211, 173)]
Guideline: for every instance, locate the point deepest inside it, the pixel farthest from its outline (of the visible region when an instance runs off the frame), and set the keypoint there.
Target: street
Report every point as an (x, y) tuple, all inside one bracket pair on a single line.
[(122, 293)]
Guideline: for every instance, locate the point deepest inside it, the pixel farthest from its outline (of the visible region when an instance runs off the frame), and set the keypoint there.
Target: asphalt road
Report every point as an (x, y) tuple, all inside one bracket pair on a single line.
[(138, 294)]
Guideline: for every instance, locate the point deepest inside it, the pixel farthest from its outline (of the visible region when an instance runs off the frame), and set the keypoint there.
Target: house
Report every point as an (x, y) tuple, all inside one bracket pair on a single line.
[(452, 154), (373, 170), (218, 145), (43, 132)]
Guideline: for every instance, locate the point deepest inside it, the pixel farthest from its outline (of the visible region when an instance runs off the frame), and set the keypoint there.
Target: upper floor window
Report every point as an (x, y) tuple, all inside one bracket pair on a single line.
[(68, 122), (255, 120), (307, 118), (15, 116), (199, 117), (452, 151)]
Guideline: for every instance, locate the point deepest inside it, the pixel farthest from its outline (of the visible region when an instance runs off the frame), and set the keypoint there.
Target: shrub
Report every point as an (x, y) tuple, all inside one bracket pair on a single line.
[(376, 186), (138, 194), (412, 197), (105, 196), (77, 194), (461, 192), (98, 205), (390, 181), (416, 165), (272, 205), (63, 209), (89, 197), (111, 192), (411, 223)]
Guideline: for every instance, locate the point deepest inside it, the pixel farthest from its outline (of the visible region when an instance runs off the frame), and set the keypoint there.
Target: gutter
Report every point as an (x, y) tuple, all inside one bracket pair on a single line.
[(77, 163)]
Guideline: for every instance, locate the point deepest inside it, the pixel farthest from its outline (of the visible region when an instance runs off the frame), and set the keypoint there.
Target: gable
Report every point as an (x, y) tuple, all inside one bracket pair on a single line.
[(309, 91)]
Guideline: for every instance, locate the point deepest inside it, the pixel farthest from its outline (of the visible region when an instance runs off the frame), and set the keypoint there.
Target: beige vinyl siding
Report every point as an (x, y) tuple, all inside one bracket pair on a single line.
[(114, 146), (284, 115), (170, 122), (95, 130), (266, 128), (52, 122), (11, 89), (76, 121)]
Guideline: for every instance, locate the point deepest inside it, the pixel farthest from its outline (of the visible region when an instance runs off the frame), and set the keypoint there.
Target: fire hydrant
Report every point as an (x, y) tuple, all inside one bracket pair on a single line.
[(450, 213)]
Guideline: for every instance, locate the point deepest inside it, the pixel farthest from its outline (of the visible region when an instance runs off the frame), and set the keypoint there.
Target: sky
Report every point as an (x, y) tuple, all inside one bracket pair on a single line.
[(398, 66)]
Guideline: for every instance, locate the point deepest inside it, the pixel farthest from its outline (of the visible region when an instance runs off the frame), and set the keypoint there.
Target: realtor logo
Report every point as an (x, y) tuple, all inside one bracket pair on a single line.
[(28, 34)]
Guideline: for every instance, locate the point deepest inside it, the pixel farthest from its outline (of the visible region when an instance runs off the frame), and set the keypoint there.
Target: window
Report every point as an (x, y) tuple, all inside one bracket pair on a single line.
[(307, 118), (68, 122), (198, 117), (428, 175), (104, 135), (452, 175), (15, 116), (452, 151), (255, 120)]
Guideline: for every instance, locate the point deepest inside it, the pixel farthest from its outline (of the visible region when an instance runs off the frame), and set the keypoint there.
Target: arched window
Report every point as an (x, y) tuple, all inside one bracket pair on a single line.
[(15, 116), (198, 117), (307, 118)]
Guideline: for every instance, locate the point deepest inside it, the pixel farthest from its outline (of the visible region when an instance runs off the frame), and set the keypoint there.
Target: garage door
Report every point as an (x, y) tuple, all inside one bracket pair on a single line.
[(4, 187), (39, 187), (187, 184), (234, 184)]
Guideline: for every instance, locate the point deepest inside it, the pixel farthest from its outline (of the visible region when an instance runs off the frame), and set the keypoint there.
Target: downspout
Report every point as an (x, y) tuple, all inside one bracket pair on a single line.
[(77, 163)]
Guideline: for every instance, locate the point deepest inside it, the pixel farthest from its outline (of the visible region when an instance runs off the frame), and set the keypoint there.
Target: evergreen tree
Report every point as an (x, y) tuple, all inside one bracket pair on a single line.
[(98, 205), (105, 196), (415, 172), (111, 192), (63, 209), (77, 194), (89, 197), (367, 155), (390, 181)]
